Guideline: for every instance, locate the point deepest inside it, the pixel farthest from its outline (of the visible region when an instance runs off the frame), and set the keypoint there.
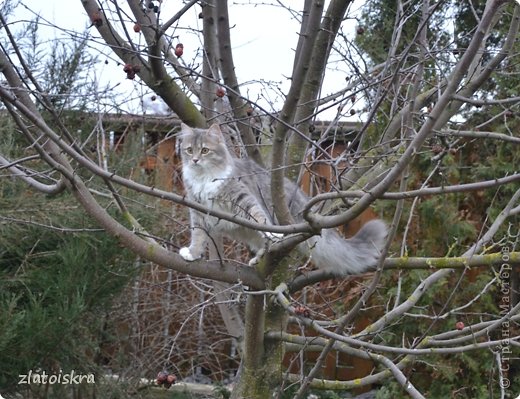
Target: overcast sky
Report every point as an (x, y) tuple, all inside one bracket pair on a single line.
[(263, 38)]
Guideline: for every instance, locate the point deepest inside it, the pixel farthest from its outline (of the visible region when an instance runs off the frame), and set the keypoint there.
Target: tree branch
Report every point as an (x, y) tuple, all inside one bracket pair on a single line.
[(49, 189), (153, 75), (431, 123), (287, 114), (227, 64)]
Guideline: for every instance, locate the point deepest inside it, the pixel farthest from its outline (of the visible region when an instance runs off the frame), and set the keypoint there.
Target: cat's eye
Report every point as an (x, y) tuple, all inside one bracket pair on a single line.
[(204, 150), (189, 150)]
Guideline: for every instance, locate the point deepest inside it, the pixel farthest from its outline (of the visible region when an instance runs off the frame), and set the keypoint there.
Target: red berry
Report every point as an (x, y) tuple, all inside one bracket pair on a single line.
[(360, 30), (302, 311), (128, 68), (179, 51), (220, 92), (137, 28), (96, 19), (162, 377), (459, 325)]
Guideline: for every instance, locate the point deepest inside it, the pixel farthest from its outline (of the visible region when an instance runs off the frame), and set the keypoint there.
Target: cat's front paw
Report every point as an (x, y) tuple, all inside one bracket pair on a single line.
[(254, 261), (186, 254), (273, 236)]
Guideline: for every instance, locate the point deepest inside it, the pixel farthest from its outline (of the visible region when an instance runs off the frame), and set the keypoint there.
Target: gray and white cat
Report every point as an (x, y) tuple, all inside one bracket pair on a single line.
[(218, 180)]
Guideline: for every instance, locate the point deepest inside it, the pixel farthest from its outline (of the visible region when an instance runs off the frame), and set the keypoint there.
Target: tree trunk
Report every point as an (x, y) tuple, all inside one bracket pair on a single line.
[(261, 372)]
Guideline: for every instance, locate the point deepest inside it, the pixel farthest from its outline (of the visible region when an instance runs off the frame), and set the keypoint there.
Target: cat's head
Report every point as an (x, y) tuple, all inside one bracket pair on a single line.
[(204, 149)]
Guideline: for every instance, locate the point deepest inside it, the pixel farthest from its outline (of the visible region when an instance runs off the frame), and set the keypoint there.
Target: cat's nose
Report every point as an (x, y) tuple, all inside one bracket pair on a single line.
[(195, 160)]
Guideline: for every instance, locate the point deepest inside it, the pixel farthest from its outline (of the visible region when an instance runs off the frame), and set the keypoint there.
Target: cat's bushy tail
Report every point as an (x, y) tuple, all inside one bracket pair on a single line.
[(354, 255)]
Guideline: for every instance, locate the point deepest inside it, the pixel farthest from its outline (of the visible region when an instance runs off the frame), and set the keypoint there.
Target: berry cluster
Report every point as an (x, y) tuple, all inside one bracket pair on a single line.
[(302, 311), (131, 70), (165, 379)]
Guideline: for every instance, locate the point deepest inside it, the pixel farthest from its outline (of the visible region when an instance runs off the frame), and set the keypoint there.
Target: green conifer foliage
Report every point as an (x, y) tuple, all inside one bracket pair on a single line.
[(56, 291)]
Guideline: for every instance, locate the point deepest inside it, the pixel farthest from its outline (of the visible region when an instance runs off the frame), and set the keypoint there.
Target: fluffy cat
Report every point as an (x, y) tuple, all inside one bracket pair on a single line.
[(215, 178)]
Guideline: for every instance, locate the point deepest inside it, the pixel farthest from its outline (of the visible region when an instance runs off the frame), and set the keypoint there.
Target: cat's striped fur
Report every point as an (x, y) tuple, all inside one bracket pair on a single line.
[(215, 178)]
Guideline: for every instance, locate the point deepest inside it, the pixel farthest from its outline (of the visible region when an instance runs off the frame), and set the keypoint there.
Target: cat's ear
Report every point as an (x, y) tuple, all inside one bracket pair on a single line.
[(185, 129), (185, 132), (214, 130)]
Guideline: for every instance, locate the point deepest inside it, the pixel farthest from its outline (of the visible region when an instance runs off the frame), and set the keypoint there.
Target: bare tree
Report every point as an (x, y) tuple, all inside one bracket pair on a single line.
[(417, 107)]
